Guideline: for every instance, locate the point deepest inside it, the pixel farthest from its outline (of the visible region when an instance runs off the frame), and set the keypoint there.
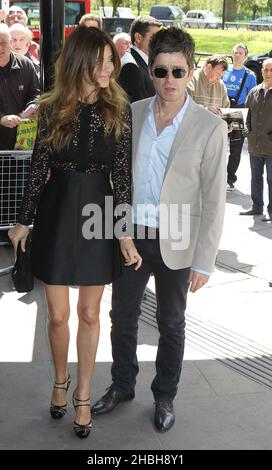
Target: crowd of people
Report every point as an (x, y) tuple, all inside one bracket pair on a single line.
[(128, 113)]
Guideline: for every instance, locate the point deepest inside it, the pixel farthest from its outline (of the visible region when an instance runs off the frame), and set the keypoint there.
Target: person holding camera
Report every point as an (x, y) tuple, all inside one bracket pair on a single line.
[(206, 87), (238, 80)]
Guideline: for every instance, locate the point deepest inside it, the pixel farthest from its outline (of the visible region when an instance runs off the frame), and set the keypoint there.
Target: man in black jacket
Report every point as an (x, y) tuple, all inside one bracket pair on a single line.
[(19, 87), (134, 77)]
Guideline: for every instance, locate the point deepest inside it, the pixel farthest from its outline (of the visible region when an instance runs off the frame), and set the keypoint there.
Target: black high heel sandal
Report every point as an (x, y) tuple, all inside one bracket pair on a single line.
[(58, 411), (81, 430)]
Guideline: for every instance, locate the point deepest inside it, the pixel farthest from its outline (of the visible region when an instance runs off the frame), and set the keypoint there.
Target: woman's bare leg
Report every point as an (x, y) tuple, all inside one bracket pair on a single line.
[(87, 341), (58, 333)]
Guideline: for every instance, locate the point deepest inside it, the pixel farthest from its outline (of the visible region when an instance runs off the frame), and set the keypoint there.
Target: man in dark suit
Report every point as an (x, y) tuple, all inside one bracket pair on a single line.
[(134, 77)]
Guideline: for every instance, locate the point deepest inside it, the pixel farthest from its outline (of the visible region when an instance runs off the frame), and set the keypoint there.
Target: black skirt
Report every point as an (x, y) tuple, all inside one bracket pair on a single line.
[(60, 253)]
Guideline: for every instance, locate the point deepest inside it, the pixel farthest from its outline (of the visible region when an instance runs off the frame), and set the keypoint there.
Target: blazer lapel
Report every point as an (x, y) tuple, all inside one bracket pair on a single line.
[(149, 89), (183, 131), (139, 114), (141, 63)]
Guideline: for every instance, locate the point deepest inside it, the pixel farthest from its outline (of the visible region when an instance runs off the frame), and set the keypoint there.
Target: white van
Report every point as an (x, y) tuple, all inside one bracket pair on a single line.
[(122, 12)]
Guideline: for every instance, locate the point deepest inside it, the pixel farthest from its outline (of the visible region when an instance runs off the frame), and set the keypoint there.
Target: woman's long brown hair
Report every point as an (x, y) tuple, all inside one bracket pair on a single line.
[(83, 49)]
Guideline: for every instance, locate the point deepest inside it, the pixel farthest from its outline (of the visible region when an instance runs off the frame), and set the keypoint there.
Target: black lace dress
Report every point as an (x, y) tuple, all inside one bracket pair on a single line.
[(70, 242)]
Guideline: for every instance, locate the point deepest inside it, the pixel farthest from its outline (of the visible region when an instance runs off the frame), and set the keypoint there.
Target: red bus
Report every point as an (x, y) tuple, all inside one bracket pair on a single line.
[(74, 9)]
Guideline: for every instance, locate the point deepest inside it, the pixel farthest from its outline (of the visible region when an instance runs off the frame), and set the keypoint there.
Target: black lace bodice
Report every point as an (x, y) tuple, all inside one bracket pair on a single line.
[(88, 152)]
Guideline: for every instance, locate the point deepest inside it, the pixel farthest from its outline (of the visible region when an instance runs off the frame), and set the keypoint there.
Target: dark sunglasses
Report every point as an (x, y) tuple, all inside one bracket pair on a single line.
[(15, 15), (161, 72)]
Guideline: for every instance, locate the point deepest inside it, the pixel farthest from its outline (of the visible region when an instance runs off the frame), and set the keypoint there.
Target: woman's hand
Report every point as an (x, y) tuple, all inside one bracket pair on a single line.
[(130, 253), (18, 234)]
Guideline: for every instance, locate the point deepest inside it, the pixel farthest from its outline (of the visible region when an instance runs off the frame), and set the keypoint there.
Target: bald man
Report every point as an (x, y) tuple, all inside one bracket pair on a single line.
[(16, 14)]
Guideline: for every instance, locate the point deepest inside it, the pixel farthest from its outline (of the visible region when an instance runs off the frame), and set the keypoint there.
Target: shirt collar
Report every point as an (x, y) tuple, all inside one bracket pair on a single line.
[(14, 61), (264, 87), (141, 53), (178, 117)]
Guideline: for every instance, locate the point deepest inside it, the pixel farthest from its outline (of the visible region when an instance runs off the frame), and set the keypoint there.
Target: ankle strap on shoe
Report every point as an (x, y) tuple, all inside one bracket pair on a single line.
[(77, 402), (63, 385)]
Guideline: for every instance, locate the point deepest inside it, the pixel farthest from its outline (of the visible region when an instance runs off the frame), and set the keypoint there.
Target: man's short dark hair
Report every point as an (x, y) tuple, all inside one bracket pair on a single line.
[(241, 46), (169, 40), (141, 25), (215, 60)]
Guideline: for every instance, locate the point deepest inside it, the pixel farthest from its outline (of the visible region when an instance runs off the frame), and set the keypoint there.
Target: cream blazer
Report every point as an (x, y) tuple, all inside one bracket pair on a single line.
[(193, 194)]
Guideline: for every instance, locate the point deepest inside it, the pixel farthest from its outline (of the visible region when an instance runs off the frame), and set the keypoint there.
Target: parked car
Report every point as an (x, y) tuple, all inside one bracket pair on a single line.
[(122, 12), (200, 19), (118, 24), (167, 14), (263, 23), (255, 63)]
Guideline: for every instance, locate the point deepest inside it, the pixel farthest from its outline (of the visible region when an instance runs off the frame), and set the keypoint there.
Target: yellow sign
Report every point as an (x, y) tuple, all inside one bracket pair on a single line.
[(26, 135)]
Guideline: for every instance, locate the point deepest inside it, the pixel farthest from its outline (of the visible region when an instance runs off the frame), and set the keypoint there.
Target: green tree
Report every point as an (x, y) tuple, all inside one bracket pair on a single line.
[(269, 6), (254, 5), (115, 5), (231, 10)]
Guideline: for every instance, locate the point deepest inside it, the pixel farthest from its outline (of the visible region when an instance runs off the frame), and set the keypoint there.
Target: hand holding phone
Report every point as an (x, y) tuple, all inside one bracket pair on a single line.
[(31, 109)]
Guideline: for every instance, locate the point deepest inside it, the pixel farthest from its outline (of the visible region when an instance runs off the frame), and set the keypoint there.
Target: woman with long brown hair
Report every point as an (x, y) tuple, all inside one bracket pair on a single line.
[(84, 139)]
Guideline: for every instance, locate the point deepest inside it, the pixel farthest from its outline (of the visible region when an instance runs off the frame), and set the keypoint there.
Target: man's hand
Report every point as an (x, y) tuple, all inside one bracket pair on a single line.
[(230, 127), (215, 110), (245, 132), (10, 120), (130, 253), (197, 280)]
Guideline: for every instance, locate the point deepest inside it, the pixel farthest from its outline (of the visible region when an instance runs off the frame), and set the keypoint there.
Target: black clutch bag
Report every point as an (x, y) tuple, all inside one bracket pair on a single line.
[(21, 273)]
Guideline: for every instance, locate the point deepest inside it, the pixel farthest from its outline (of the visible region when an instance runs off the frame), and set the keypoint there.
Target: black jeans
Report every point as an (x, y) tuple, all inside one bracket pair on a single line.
[(236, 145), (257, 165), (127, 295)]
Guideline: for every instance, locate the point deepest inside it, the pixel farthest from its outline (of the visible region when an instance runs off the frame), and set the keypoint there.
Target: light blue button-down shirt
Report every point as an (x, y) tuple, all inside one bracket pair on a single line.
[(152, 157), (151, 162)]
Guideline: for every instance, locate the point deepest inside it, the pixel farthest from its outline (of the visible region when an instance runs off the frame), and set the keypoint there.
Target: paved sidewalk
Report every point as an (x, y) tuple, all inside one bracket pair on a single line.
[(225, 395)]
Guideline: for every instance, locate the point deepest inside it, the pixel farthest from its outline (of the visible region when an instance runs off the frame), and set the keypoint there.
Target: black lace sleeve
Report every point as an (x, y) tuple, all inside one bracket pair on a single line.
[(40, 164), (121, 169)]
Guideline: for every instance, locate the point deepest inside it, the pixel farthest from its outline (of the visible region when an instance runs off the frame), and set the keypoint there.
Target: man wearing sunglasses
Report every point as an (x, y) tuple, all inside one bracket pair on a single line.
[(179, 173), (16, 14)]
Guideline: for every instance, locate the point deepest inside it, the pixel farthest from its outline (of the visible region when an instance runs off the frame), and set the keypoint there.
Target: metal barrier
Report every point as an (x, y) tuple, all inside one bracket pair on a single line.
[(14, 171), (249, 26), (201, 57)]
